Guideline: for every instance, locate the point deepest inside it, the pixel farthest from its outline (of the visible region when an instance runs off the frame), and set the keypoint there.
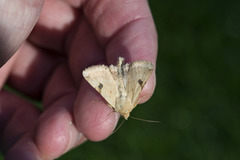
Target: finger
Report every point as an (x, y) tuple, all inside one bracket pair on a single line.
[(83, 49), (126, 29), (95, 120), (15, 121), (6, 69), (56, 133), (25, 148), (32, 70), (17, 20), (60, 84), (54, 24), (109, 18), (93, 117)]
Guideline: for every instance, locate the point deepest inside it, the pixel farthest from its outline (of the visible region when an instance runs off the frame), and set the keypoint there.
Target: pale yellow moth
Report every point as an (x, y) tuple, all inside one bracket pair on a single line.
[(120, 85)]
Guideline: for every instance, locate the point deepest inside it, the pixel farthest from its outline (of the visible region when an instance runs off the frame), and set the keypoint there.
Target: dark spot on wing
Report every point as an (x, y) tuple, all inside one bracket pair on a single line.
[(140, 82), (100, 86)]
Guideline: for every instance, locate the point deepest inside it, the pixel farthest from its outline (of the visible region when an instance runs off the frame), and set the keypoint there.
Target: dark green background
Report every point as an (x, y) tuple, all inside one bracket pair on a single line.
[(197, 93)]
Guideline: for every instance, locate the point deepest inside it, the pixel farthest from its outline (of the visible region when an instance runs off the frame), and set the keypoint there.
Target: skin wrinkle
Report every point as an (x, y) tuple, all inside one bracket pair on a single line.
[(35, 144), (95, 119), (103, 124), (97, 116), (74, 139), (32, 143)]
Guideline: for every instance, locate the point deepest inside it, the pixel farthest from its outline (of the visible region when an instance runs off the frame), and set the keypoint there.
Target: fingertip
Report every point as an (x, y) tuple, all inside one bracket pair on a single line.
[(56, 133), (93, 117), (52, 135), (25, 149)]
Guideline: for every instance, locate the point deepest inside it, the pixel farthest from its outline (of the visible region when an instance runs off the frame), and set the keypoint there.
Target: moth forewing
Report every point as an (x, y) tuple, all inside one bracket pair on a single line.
[(100, 78), (138, 75)]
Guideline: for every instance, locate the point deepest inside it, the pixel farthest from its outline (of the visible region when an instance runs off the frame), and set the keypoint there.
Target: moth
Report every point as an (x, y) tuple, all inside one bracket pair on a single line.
[(120, 85)]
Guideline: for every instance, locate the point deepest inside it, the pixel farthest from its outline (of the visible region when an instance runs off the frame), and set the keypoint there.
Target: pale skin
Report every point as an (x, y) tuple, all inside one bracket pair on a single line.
[(68, 36)]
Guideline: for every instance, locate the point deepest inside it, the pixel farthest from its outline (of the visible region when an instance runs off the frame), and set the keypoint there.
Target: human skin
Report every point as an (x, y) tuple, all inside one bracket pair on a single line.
[(46, 63)]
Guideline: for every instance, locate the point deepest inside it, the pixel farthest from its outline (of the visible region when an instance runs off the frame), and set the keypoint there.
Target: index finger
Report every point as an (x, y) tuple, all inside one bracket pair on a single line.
[(126, 29), (123, 28)]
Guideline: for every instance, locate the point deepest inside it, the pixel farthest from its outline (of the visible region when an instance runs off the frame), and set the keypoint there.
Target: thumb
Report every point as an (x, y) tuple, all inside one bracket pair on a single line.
[(18, 18)]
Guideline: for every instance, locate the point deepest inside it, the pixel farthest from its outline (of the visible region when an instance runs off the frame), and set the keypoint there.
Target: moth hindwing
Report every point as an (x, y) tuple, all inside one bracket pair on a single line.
[(120, 85)]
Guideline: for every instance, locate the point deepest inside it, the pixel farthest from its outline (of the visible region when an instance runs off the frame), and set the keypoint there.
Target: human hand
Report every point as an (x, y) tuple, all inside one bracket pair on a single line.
[(69, 36)]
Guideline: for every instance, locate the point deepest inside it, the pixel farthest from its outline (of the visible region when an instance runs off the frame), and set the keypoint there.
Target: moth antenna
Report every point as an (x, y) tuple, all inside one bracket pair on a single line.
[(118, 127), (144, 120)]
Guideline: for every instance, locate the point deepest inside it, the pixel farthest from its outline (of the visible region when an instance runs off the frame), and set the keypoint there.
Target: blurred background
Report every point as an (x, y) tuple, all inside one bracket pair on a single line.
[(197, 97), (197, 94)]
